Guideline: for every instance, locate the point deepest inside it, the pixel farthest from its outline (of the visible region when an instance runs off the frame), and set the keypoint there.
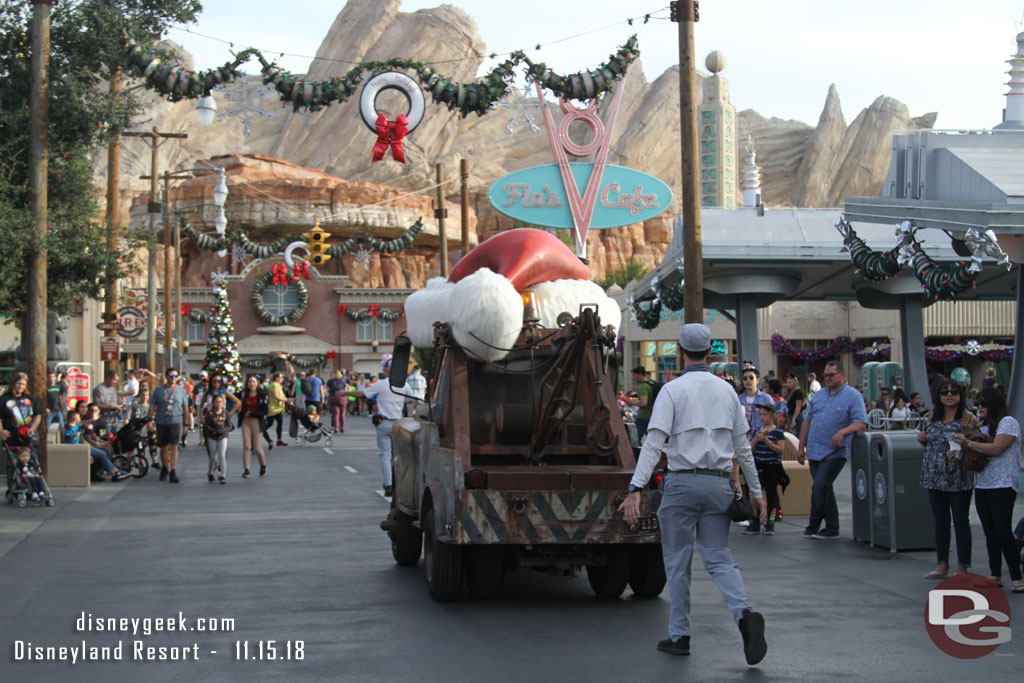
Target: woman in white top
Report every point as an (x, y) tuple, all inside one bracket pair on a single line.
[(899, 413), (995, 487)]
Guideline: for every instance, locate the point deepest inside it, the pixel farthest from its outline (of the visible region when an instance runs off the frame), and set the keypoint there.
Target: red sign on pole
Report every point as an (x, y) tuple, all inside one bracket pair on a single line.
[(78, 387), (110, 348)]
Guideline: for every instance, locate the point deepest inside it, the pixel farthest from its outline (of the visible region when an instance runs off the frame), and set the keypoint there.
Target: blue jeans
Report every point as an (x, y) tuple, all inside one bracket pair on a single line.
[(823, 498), (384, 449), (57, 417), (641, 426), (959, 504), (693, 511), (100, 456)]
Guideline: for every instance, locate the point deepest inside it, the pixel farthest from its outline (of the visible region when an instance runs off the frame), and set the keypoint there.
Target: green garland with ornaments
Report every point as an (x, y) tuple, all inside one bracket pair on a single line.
[(477, 97), (262, 282), (237, 237), (373, 311)]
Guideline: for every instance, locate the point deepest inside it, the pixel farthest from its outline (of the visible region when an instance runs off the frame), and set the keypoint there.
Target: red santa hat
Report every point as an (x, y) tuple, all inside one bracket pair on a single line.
[(482, 301)]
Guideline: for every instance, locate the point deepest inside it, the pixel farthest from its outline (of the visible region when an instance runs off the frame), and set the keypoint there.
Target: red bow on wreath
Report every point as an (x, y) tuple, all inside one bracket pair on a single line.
[(374, 310), (301, 268), (390, 133), (186, 309), (280, 273), (342, 308), (332, 355)]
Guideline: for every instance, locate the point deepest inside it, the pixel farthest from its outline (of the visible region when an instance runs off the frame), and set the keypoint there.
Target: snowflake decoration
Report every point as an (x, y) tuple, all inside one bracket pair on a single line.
[(239, 256), (247, 102), (520, 109), (219, 278), (362, 258)]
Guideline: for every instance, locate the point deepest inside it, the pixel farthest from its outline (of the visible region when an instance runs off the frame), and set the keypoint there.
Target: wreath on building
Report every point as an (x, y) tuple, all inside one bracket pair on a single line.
[(262, 282)]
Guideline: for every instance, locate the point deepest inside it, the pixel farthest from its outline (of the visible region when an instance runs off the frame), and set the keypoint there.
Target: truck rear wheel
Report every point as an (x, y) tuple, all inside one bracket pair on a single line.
[(406, 541), (609, 581), (443, 563), (646, 570), (485, 571)]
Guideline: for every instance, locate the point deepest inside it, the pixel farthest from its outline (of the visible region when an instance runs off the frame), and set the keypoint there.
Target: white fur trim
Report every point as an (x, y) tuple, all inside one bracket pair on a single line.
[(483, 309), (559, 296)]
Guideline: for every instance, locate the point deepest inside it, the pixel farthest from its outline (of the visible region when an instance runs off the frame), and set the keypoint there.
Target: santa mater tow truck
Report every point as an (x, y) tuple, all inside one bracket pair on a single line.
[(520, 460)]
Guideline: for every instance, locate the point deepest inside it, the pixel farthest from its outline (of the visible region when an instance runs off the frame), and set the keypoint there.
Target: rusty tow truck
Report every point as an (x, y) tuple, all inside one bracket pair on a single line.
[(521, 463)]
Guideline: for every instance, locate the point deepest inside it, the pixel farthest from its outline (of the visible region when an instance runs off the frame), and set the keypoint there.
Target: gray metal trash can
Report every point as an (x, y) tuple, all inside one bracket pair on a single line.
[(900, 513), (860, 483)]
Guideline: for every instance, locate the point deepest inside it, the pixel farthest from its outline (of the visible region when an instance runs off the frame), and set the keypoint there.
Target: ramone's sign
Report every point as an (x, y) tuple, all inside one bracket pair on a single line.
[(537, 196)]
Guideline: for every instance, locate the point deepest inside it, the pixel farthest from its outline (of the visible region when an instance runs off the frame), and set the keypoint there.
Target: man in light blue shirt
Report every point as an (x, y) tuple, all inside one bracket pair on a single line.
[(833, 417)]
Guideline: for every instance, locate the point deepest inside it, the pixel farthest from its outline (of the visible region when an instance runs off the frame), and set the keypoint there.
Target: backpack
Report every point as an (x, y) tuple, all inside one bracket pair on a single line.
[(306, 386), (655, 389)]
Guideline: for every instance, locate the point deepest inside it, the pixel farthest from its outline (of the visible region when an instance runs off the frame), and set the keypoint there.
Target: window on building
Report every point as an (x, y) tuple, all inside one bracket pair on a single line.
[(659, 358), (384, 330), (280, 300), (195, 332), (364, 330)]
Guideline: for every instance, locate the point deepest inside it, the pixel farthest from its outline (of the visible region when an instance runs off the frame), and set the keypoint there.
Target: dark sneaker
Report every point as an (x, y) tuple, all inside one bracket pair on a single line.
[(174, 477), (245, 475), (209, 476), (223, 480), (263, 470), (752, 530), (675, 647), (117, 476), (282, 443), (769, 529), (270, 446), (825, 535), (163, 473), (810, 534), (752, 629), (389, 491)]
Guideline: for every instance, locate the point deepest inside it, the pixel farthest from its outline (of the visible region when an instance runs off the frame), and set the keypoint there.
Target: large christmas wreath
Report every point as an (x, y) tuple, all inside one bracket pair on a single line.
[(262, 282)]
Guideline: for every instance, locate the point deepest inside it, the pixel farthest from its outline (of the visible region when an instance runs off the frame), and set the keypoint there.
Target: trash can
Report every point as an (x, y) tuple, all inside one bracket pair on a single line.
[(860, 483), (900, 513)]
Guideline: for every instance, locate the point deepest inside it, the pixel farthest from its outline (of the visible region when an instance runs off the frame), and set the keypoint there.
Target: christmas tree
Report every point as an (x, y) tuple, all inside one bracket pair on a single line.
[(221, 350)]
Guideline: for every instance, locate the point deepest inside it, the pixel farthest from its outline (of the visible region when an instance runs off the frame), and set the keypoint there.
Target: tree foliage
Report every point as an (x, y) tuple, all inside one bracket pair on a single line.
[(87, 43), (634, 270)]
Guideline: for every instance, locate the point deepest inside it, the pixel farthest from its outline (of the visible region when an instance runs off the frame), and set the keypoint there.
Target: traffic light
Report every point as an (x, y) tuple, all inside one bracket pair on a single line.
[(317, 245)]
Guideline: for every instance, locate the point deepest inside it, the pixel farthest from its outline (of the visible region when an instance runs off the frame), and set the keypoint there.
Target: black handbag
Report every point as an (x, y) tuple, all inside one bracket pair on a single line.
[(740, 510)]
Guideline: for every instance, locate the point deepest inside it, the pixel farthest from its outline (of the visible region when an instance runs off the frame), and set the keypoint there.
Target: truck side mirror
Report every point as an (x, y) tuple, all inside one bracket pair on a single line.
[(400, 361)]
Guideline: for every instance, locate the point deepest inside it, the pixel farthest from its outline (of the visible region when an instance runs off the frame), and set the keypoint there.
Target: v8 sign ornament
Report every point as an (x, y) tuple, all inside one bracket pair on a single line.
[(967, 616)]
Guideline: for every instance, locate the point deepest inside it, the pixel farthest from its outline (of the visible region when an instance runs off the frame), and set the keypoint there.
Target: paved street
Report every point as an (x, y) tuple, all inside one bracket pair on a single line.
[(298, 556)]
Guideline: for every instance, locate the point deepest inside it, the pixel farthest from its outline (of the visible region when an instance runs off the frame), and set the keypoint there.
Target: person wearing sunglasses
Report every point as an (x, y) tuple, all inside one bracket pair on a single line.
[(995, 487), (834, 415), (751, 397), (167, 405), (947, 481)]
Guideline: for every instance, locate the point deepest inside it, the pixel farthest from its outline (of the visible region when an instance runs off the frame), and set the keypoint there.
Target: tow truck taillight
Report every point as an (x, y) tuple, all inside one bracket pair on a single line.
[(476, 479)]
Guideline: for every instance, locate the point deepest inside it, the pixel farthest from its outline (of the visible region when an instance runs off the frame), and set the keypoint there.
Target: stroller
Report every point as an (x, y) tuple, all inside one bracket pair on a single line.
[(130, 448), (19, 488), (314, 430)]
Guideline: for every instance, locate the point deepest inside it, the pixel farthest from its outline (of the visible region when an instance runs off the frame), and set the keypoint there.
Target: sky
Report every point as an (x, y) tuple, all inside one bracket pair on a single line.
[(946, 56)]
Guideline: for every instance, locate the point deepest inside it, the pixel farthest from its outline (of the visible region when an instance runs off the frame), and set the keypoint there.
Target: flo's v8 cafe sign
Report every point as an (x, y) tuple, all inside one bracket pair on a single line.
[(537, 196)]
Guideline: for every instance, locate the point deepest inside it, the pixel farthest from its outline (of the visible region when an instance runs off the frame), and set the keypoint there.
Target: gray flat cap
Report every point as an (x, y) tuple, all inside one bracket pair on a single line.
[(695, 337)]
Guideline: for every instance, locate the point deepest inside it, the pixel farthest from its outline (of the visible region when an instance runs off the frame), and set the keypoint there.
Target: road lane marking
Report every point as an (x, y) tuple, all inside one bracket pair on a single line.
[(328, 451), (351, 469)]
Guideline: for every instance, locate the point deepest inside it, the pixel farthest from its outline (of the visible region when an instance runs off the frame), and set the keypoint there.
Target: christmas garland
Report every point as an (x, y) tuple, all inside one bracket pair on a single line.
[(477, 97), (881, 350), (647, 318), (315, 361), (871, 265), (672, 296), (238, 238), (841, 343), (262, 282), (374, 311), (993, 353)]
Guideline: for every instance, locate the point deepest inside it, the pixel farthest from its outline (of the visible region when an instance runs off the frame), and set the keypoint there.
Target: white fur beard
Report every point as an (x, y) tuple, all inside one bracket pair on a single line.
[(486, 313)]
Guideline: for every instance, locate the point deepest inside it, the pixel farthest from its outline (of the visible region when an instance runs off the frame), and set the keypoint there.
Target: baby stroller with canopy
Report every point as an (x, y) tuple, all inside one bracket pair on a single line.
[(22, 487), (314, 431), (130, 448)]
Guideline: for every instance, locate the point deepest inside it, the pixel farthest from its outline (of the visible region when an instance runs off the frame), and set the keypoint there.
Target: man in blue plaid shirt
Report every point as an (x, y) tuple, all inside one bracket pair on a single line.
[(834, 415), (417, 384)]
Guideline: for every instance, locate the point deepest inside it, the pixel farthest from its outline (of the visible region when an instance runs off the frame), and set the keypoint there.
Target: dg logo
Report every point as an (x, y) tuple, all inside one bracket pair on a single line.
[(967, 616)]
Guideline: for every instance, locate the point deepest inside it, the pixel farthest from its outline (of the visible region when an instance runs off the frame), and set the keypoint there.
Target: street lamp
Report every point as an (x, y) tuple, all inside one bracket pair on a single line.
[(206, 109)]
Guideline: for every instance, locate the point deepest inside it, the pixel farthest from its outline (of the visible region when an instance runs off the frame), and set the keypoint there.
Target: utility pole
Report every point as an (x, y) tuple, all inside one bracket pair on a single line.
[(440, 212), (464, 175), (33, 334), (179, 322), (686, 13), (113, 215), (154, 142)]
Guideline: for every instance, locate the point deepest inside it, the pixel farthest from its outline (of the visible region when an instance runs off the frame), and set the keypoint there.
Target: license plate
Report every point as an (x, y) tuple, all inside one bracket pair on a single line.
[(645, 526)]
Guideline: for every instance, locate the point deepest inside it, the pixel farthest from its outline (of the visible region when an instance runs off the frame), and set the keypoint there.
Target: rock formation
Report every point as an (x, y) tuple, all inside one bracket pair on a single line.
[(803, 165)]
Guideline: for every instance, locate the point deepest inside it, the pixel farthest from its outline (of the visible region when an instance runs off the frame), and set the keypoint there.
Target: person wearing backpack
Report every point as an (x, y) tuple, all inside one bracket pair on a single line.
[(646, 391)]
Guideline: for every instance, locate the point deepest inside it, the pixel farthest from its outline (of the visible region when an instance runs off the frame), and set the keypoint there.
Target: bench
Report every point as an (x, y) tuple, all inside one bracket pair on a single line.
[(68, 464)]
